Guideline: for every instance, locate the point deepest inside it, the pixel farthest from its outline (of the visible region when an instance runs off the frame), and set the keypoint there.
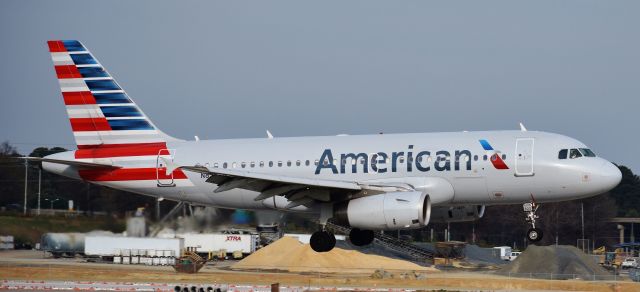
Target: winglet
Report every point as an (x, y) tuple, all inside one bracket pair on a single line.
[(522, 128), (269, 135)]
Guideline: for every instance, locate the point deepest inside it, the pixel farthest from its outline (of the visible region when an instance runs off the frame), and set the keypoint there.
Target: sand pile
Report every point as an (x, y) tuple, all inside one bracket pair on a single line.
[(291, 255), (564, 262)]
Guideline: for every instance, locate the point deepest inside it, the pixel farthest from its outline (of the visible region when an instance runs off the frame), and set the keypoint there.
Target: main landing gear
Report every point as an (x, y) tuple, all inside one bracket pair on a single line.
[(360, 237), (322, 241), (533, 234)]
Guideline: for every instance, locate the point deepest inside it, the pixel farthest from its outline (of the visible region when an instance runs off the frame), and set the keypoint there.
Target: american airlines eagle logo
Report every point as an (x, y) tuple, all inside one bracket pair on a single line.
[(495, 158)]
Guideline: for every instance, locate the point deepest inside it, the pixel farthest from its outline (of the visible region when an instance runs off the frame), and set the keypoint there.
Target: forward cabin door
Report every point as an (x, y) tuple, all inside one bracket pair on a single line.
[(524, 157), (164, 180)]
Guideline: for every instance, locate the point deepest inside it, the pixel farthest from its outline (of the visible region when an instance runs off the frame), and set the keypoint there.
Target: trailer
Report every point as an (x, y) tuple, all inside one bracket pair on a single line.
[(210, 244), (504, 252), (110, 246)]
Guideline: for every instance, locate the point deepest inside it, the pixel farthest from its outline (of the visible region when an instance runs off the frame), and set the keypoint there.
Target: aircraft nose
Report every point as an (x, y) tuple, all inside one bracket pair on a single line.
[(610, 175)]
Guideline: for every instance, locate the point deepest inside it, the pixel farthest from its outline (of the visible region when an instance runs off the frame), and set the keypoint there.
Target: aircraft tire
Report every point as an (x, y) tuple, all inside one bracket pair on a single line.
[(534, 234), (361, 237), (322, 241)]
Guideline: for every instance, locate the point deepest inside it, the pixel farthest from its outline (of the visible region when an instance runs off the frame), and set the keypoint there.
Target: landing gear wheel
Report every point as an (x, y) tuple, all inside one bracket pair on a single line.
[(534, 234), (361, 237), (322, 241)]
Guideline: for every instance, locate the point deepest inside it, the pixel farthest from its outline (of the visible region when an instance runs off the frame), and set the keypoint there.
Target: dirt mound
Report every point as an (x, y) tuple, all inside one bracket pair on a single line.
[(291, 255), (564, 262)]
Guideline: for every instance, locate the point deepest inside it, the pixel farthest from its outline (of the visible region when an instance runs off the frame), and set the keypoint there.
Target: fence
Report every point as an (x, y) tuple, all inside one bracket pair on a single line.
[(306, 277)]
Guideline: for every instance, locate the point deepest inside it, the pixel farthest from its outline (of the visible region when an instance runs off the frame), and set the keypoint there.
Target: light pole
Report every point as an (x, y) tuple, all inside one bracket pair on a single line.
[(26, 178), (39, 188), (51, 203)]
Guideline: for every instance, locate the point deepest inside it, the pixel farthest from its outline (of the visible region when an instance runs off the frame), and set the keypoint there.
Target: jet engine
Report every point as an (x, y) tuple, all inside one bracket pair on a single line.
[(388, 211), (457, 213)]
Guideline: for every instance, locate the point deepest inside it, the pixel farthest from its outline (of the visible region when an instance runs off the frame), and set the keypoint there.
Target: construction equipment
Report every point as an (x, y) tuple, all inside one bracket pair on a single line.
[(190, 262)]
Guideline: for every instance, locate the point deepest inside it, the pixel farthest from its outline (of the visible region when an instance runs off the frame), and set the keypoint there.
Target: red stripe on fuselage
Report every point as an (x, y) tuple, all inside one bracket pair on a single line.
[(67, 71), (89, 124), (125, 174), (56, 47), (497, 162), (120, 150)]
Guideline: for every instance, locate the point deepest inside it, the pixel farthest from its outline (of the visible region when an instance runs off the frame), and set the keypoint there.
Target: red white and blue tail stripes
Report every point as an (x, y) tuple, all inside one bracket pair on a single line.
[(106, 123), (99, 110)]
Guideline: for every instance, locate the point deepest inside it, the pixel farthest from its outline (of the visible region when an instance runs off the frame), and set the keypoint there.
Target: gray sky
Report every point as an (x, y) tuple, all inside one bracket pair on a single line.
[(232, 69)]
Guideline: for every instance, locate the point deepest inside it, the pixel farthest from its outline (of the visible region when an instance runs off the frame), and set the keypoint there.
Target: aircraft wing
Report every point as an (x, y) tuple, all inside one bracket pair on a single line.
[(79, 164), (299, 191)]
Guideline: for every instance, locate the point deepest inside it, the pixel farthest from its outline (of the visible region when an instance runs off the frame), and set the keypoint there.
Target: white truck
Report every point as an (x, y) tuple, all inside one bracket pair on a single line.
[(208, 244), (504, 252)]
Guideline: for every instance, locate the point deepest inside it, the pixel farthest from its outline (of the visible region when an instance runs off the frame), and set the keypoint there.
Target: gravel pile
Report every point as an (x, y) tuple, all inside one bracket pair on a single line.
[(290, 255), (564, 262)]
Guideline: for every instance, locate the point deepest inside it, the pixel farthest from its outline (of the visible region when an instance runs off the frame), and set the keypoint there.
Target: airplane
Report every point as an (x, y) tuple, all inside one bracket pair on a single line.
[(368, 182)]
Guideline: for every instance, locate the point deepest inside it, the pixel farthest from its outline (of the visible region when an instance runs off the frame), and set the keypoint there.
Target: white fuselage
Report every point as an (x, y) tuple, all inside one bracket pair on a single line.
[(531, 166)]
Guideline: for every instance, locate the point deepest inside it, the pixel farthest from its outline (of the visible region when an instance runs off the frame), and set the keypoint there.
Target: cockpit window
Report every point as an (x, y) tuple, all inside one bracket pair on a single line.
[(587, 152), (562, 154), (574, 153)]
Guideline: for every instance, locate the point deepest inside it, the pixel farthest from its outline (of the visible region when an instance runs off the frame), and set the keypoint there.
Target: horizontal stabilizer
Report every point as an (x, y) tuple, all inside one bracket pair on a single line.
[(79, 164)]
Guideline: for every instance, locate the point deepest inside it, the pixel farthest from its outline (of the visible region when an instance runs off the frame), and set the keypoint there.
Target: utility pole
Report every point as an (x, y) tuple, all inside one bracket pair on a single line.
[(26, 178), (39, 188), (582, 217)]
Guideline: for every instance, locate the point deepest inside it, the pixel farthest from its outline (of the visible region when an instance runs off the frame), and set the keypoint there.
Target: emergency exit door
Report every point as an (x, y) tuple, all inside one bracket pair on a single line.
[(524, 157)]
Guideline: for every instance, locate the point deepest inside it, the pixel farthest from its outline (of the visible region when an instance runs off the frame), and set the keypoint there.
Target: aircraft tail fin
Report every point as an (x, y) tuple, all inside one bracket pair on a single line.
[(101, 113)]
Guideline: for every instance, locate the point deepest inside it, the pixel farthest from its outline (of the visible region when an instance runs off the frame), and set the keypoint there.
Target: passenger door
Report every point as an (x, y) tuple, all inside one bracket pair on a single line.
[(524, 157)]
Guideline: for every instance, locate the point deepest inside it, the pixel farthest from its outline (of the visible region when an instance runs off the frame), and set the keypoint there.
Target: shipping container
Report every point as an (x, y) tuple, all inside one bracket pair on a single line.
[(111, 245)]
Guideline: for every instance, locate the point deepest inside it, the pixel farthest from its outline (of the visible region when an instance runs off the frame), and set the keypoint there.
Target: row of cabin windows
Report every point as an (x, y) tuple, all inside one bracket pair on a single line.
[(575, 153), (374, 160)]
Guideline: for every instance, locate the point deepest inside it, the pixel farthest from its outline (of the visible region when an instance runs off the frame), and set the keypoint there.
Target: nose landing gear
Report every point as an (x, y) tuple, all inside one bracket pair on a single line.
[(533, 234)]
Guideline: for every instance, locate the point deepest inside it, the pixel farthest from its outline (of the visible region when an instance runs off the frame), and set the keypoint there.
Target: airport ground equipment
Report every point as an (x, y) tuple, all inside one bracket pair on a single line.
[(189, 262), (109, 246), (207, 243), (414, 252)]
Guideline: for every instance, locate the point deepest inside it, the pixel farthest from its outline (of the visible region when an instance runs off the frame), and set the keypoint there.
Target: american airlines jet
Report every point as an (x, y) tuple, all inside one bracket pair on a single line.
[(369, 182)]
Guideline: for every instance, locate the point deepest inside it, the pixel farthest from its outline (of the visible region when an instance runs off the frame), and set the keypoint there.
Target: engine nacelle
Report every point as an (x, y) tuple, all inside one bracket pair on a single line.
[(457, 213), (388, 211)]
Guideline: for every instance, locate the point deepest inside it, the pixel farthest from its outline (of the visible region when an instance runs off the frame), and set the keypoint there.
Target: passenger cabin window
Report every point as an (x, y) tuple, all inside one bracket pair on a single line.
[(307, 162), (574, 153), (270, 163), (261, 163), (563, 154)]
